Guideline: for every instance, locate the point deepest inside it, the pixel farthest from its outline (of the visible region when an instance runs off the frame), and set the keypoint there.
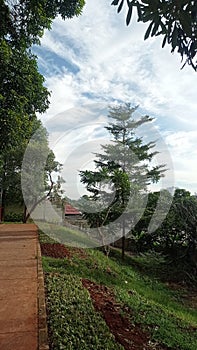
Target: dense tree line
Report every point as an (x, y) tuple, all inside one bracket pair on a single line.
[(22, 90), (177, 235)]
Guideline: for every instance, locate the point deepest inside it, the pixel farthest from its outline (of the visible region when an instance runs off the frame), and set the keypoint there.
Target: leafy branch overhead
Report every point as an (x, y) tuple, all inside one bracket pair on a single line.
[(175, 20), (25, 20)]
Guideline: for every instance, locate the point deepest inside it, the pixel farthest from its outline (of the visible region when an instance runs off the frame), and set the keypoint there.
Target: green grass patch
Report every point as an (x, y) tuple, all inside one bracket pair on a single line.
[(73, 322), (158, 309), (68, 236)]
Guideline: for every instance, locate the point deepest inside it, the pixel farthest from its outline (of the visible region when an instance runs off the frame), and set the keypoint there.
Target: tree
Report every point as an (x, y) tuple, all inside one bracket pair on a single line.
[(178, 231), (177, 235), (23, 21), (145, 239), (11, 157), (38, 167), (11, 161), (123, 173), (175, 20), (22, 91), (22, 95)]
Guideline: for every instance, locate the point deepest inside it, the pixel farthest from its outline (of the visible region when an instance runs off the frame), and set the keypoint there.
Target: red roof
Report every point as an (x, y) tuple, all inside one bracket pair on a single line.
[(70, 210)]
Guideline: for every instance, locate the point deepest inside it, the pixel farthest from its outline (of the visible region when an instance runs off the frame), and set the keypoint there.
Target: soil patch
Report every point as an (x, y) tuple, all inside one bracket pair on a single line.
[(55, 250), (60, 251), (130, 336)]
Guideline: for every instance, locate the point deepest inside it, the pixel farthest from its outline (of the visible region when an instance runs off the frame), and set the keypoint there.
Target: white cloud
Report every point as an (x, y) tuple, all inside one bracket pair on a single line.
[(182, 146), (96, 58)]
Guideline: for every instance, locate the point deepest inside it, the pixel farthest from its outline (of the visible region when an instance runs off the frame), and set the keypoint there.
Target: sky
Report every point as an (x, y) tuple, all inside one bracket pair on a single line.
[(94, 60)]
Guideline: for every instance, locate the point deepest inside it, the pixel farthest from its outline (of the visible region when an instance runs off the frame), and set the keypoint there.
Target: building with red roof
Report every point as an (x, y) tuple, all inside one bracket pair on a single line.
[(72, 212)]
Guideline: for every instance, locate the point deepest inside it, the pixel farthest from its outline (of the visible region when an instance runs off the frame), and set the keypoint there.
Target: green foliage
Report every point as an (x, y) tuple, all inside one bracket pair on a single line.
[(23, 22), (22, 91), (39, 165), (13, 217), (44, 238), (124, 171), (177, 235), (63, 234), (174, 20), (161, 312), (73, 322), (22, 95)]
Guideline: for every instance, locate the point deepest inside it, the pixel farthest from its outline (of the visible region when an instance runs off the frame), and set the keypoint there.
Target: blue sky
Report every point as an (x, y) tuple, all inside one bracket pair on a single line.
[(93, 60)]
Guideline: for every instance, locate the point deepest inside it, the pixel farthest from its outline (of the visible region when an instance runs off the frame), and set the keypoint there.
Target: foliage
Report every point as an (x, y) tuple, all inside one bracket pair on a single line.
[(13, 217), (175, 20), (11, 160), (160, 311), (22, 90), (73, 322), (23, 21), (124, 171), (39, 165), (22, 95), (71, 236), (177, 235)]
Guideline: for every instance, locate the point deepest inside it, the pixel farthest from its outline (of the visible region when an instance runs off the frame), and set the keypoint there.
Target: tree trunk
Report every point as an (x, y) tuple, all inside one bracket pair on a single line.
[(123, 239), (25, 215), (2, 205)]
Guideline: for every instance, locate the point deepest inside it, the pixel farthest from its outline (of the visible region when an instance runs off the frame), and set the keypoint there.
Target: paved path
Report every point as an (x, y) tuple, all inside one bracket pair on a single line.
[(19, 287)]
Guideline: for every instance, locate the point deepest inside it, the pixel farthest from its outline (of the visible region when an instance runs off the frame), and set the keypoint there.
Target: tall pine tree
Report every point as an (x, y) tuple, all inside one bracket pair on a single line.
[(123, 172)]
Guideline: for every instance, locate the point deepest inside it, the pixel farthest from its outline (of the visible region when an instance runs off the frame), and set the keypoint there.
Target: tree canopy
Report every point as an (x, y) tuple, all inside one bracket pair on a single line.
[(123, 172), (177, 235), (22, 95), (23, 21), (174, 20), (22, 90)]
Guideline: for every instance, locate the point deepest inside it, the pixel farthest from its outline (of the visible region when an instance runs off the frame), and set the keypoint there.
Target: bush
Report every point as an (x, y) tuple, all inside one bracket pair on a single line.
[(13, 217)]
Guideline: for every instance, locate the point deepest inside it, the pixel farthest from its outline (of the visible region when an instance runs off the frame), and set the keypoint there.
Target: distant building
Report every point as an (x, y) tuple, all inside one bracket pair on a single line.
[(72, 213)]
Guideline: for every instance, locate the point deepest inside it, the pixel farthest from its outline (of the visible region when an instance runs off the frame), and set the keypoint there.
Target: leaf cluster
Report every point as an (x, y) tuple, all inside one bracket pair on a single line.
[(174, 20), (123, 170), (24, 21)]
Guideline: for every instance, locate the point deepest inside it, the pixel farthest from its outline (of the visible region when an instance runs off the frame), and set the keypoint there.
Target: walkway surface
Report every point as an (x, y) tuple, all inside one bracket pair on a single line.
[(19, 287)]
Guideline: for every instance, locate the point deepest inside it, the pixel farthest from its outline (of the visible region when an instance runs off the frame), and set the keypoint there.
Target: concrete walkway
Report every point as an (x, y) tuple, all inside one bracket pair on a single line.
[(22, 309)]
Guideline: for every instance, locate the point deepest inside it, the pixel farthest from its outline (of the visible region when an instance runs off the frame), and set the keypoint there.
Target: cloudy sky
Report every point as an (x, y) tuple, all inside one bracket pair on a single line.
[(94, 60)]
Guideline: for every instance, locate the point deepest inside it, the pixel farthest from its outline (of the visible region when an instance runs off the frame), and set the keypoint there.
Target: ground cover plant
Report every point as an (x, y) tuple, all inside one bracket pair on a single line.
[(86, 292)]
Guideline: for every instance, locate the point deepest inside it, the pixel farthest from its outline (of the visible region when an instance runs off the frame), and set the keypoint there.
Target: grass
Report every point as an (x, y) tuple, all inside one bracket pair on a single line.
[(67, 235), (159, 310), (73, 322)]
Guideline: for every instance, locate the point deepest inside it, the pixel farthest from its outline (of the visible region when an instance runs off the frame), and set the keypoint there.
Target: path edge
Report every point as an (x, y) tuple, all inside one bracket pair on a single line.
[(42, 315)]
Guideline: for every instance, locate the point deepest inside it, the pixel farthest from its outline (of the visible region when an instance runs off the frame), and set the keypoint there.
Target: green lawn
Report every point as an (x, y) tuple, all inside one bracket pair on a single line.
[(164, 313)]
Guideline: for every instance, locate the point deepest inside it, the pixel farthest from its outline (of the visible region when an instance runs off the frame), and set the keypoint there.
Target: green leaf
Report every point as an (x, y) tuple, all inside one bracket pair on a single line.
[(174, 37), (129, 15), (115, 2), (120, 6), (148, 30), (139, 12), (155, 28), (164, 41)]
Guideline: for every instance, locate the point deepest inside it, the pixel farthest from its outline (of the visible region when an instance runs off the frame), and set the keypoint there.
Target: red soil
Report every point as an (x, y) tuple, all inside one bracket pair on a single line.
[(57, 250), (130, 336)]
